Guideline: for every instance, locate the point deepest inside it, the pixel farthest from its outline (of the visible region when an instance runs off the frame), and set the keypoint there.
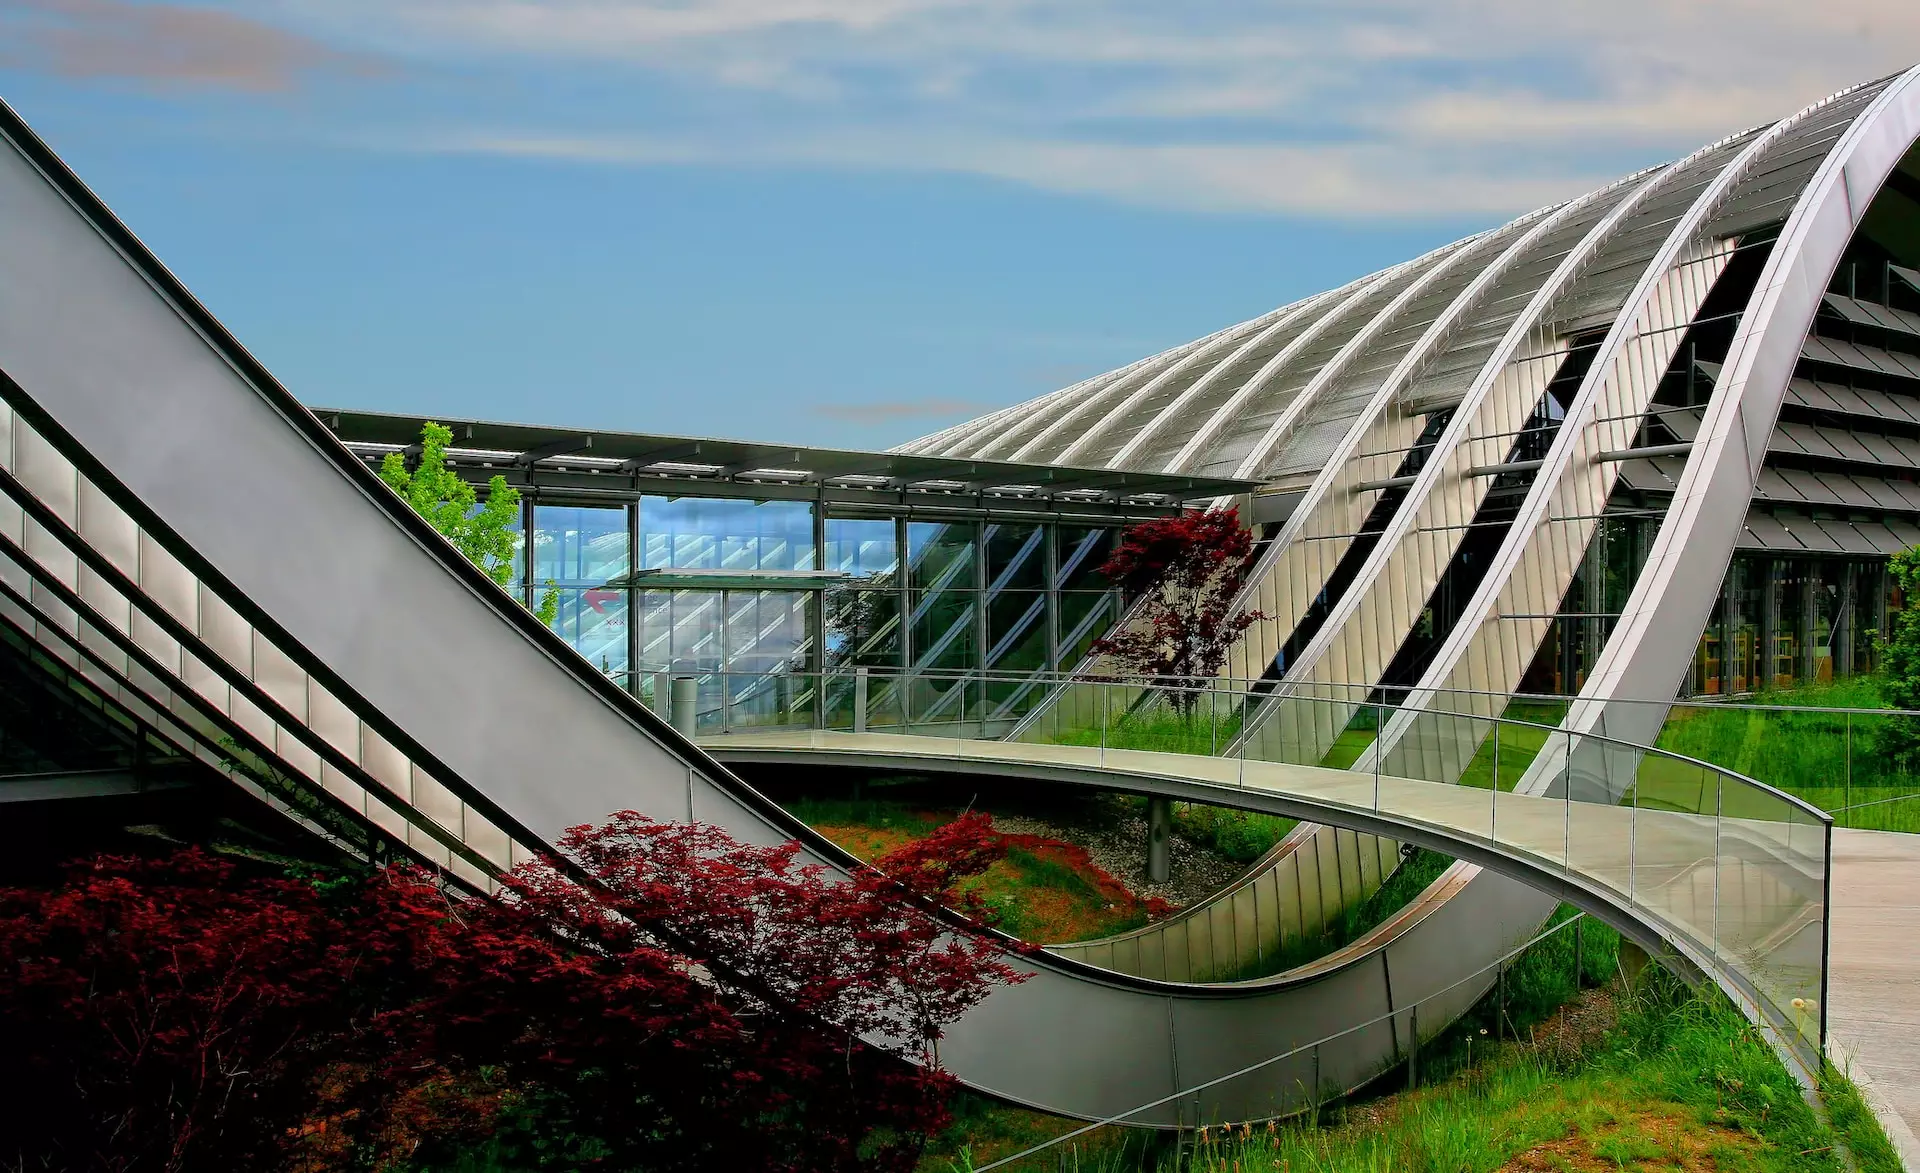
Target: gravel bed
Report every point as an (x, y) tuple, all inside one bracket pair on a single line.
[(1117, 842)]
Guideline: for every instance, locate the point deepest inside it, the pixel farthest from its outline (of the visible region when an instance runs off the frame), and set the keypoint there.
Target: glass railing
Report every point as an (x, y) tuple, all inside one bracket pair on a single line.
[(1731, 871)]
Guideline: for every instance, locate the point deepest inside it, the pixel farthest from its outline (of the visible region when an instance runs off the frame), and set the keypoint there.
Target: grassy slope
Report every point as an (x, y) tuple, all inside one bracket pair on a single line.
[(1829, 759), (1677, 1083)]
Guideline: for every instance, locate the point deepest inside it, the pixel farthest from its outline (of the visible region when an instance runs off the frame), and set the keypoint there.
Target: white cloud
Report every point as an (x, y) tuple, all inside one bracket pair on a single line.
[(1358, 108)]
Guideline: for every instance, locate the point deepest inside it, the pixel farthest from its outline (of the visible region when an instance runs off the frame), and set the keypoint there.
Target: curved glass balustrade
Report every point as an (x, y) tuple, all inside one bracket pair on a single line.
[(1731, 872)]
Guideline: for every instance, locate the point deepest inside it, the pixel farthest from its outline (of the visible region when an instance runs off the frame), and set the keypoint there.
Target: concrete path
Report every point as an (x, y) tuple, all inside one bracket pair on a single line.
[(1874, 992)]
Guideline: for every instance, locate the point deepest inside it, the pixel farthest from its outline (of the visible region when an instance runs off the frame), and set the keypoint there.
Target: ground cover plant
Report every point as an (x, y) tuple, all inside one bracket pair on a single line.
[(699, 1004), (1040, 889)]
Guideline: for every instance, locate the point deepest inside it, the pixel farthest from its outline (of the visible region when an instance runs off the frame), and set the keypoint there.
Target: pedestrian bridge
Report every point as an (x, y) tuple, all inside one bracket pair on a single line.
[(1721, 874)]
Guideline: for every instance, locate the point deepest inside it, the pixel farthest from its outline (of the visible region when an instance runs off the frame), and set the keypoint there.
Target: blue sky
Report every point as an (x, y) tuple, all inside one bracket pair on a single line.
[(849, 221)]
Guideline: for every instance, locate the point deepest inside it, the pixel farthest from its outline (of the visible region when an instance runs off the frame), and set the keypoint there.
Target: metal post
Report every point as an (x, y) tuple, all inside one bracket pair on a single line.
[(686, 713), (663, 695), (1846, 803), (1413, 1047), (1379, 739), (859, 700), (1500, 1003), (1159, 830)]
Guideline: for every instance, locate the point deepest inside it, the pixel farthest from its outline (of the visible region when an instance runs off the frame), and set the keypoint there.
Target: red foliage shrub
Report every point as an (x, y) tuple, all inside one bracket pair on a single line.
[(1189, 568), (699, 1004)]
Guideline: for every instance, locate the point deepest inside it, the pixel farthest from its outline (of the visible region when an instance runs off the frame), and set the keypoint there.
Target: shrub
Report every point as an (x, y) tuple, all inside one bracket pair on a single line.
[(698, 1004)]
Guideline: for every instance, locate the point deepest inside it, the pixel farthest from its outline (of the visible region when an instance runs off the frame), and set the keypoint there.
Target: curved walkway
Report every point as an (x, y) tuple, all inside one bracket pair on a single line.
[(1738, 897)]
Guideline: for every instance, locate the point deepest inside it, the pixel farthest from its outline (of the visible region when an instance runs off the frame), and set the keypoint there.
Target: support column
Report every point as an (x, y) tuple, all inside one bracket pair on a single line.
[(1159, 832), (686, 711)]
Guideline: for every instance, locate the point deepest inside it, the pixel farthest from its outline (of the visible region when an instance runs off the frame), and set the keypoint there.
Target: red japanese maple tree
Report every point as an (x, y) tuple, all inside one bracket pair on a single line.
[(695, 1004), (1188, 568)]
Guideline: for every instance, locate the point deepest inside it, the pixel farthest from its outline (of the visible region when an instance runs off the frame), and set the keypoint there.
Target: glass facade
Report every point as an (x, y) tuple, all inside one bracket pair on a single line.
[(1782, 622), (968, 595)]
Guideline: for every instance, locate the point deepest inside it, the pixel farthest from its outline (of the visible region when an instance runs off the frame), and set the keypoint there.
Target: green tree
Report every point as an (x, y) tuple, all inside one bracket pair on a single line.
[(1900, 662), (485, 533)]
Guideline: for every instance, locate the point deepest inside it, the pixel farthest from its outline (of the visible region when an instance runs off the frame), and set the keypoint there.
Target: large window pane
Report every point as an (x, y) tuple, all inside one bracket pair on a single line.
[(708, 533), (862, 548), (1082, 552), (766, 631), (680, 631), (941, 553), (943, 630), (863, 629), (1016, 558), (595, 622), (579, 546)]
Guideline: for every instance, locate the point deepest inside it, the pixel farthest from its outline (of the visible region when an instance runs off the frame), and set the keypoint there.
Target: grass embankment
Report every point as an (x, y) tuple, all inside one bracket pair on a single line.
[(1650, 1079), (1044, 890), (1678, 1084), (1832, 760)]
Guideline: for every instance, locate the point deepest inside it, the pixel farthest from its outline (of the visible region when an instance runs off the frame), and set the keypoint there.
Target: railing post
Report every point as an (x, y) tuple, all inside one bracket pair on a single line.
[(859, 700)]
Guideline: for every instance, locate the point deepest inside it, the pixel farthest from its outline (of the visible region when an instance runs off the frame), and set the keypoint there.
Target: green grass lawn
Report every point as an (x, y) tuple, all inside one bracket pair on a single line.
[(1675, 1083), (1832, 760)]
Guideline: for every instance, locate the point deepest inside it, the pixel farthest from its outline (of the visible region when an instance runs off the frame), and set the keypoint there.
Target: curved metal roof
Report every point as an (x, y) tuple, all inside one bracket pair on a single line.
[(1273, 397)]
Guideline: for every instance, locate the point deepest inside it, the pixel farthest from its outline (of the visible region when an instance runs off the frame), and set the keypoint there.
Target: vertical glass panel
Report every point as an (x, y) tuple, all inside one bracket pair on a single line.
[(1743, 626), (862, 547), (1823, 610), (1786, 611), (941, 553), (517, 578), (1084, 618), (1017, 630), (1016, 644), (579, 546), (863, 629), (708, 533), (680, 631), (594, 621), (1016, 557), (943, 630), (1082, 552), (767, 631), (767, 645)]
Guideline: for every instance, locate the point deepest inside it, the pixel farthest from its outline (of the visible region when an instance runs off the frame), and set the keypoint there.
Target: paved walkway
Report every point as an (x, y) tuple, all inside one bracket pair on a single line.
[(1874, 992)]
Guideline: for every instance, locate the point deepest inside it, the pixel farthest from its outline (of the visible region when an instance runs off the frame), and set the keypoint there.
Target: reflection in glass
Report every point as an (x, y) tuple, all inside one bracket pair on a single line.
[(594, 621), (863, 628), (1084, 616), (1016, 557), (943, 630), (578, 545), (680, 631), (1016, 630), (1082, 552), (705, 533), (862, 547), (766, 631), (941, 553)]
